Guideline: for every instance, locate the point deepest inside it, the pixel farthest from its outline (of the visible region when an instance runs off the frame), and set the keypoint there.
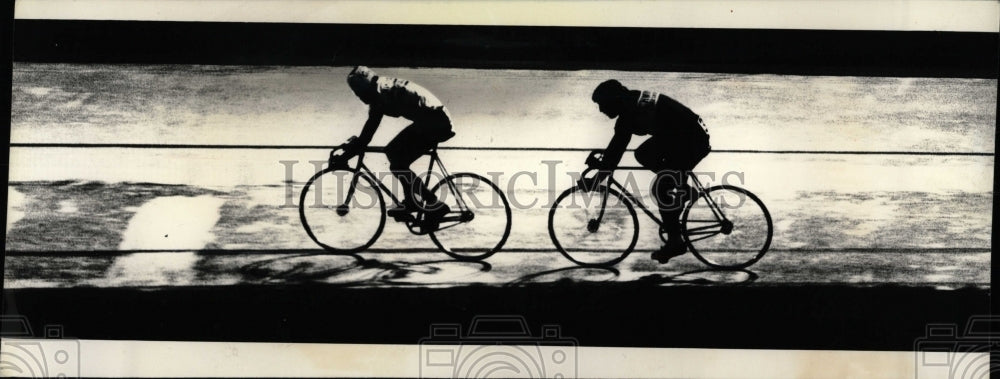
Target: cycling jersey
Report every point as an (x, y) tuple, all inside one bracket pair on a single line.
[(398, 97), (661, 116)]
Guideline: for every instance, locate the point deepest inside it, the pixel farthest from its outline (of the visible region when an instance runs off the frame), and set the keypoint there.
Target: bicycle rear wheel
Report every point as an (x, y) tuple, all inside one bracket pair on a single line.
[(733, 241), (597, 228), (341, 217), (480, 218)]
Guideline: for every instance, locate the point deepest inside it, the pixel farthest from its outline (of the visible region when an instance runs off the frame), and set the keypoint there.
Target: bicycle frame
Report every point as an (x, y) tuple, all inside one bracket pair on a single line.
[(361, 169), (720, 217)]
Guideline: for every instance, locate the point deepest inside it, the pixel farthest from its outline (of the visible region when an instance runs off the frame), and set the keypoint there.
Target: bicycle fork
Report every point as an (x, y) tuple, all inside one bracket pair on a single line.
[(594, 224)]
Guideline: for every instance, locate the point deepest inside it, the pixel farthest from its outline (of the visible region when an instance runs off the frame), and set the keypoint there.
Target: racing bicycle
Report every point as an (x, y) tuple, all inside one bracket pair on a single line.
[(343, 209), (724, 226)]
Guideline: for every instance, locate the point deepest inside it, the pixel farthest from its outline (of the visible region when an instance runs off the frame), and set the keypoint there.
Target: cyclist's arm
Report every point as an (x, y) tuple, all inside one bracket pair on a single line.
[(374, 119), (612, 155), (616, 148)]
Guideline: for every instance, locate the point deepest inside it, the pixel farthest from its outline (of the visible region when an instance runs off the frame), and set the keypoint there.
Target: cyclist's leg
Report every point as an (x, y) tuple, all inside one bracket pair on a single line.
[(402, 151), (654, 154), (670, 161), (408, 146), (658, 155), (650, 153), (435, 127), (672, 189)]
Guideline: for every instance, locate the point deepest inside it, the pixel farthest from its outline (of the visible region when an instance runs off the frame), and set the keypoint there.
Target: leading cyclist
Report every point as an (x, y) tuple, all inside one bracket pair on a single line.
[(431, 125), (678, 141)]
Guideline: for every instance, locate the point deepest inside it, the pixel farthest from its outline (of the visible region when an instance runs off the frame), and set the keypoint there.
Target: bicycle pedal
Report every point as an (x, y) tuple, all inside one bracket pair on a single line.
[(431, 228), (407, 217), (419, 228)]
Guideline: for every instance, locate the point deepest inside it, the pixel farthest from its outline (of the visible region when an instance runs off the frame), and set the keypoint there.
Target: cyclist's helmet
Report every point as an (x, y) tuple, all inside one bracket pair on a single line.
[(608, 96), (361, 81), (607, 90)]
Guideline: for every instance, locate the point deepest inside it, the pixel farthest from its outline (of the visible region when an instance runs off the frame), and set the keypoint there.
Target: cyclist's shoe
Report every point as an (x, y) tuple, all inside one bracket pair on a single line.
[(669, 250), (435, 212), (400, 213)]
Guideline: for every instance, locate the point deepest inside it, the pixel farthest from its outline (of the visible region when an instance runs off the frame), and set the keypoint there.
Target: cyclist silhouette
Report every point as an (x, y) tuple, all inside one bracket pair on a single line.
[(678, 141), (431, 125)]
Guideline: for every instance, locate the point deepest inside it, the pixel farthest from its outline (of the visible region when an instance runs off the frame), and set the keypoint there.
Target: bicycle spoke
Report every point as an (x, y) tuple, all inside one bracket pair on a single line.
[(449, 226), (703, 235), (702, 229), (455, 219)]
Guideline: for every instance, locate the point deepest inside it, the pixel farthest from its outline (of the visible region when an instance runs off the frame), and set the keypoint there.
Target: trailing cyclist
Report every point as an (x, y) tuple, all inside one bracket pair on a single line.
[(678, 141), (431, 125)]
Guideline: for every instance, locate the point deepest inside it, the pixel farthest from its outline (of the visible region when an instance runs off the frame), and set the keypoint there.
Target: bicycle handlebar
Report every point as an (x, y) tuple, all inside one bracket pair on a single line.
[(595, 158), (338, 160), (339, 152)]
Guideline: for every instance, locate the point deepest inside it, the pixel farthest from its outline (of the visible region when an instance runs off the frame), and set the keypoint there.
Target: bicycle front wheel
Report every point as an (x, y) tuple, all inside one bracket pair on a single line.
[(596, 228), (342, 211), (480, 218), (727, 227)]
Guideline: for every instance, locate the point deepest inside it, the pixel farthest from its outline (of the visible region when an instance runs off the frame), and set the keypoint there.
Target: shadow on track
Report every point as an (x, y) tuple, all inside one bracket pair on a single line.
[(568, 275), (431, 273), (707, 276), (354, 271), (300, 267)]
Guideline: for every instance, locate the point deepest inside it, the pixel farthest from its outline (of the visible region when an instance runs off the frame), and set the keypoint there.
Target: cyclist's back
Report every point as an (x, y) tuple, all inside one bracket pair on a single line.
[(399, 97), (659, 115)]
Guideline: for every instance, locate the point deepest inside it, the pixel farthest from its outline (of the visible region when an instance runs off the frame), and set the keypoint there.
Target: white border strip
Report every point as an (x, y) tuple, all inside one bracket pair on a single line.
[(92, 358), (937, 15)]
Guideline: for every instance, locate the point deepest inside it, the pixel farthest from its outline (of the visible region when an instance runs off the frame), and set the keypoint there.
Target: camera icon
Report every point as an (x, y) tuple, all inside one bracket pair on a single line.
[(497, 346), (24, 355), (942, 353)]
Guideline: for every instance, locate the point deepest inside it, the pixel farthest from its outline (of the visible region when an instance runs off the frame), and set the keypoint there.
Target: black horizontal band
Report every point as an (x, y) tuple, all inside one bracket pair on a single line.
[(751, 51)]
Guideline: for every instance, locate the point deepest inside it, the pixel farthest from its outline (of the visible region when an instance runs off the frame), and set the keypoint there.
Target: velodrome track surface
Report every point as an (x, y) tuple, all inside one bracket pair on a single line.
[(84, 233), (387, 268), (111, 232), (235, 265)]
